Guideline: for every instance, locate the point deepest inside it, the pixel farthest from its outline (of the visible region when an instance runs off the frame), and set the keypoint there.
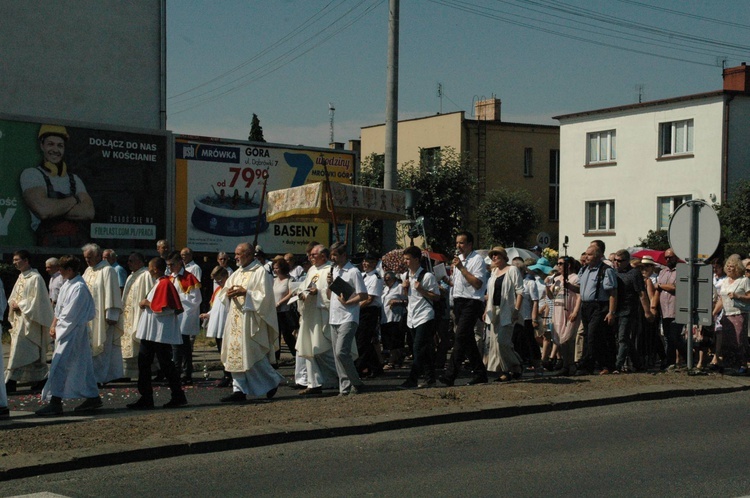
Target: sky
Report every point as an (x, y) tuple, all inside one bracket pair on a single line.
[(288, 60)]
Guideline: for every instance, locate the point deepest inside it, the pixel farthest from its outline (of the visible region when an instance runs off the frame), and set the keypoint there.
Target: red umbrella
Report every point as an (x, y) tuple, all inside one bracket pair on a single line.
[(435, 256), (657, 255)]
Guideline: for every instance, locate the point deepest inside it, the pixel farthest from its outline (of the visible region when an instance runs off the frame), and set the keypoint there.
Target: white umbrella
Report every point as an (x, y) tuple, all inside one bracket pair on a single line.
[(515, 252)]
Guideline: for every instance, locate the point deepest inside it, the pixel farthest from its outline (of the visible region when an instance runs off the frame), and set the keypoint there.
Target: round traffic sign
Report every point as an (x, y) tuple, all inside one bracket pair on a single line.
[(543, 239), (694, 219)]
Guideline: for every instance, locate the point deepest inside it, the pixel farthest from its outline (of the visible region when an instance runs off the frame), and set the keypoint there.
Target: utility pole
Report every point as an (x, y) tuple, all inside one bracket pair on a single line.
[(391, 118)]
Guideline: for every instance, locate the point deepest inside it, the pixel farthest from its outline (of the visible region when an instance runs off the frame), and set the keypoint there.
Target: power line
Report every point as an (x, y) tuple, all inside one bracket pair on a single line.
[(280, 61)]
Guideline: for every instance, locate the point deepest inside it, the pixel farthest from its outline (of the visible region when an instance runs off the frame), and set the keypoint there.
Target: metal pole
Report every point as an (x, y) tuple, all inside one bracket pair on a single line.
[(391, 117), (693, 283)]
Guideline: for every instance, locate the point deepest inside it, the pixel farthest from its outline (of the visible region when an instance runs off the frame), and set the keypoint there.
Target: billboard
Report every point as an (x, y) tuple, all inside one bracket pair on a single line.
[(67, 185), (219, 185)]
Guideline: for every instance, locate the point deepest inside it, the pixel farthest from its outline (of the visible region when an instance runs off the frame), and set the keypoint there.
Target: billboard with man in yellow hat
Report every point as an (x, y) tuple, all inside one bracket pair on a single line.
[(66, 186)]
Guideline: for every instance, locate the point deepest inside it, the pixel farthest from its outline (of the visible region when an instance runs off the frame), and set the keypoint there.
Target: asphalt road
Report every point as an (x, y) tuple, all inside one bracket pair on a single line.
[(678, 447)]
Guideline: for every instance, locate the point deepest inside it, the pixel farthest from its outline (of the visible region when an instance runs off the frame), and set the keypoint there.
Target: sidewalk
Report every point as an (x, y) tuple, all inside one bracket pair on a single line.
[(115, 435)]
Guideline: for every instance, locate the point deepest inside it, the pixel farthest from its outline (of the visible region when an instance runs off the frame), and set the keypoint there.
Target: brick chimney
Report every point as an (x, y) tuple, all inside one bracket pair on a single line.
[(487, 110), (737, 78)]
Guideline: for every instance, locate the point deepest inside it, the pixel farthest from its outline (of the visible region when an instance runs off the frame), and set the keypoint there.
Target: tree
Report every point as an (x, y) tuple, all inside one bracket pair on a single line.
[(734, 215), (446, 183), (655, 239), (507, 217), (256, 130), (370, 232)]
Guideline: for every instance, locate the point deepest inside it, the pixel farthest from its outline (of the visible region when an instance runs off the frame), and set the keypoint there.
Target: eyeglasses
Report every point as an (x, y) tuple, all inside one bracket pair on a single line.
[(620, 260), (560, 263)]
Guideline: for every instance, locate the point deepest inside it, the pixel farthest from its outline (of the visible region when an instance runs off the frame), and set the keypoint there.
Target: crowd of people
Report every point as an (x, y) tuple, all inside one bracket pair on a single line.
[(343, 322)]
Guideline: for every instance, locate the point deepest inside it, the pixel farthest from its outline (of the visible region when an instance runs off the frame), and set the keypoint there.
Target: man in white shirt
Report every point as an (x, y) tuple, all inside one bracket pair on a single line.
[(344, 318), (469, 287), (422, 290), (55, 279), (370, 310), (187, 259)]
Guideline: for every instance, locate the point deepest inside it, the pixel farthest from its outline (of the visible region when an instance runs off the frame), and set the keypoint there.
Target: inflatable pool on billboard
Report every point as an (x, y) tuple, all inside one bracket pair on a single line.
[(233, 216)]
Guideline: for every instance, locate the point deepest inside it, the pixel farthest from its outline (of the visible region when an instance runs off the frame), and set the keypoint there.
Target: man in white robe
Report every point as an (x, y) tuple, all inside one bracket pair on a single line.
[(189, 288), (71, 374), (4, 411), (137, 287), (104, 286), (314, 336), (251, 332), (30, 317), (158, 330), (215, 320)]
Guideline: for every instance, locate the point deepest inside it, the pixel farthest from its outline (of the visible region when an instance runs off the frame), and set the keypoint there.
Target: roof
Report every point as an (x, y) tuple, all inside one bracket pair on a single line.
[(653, 103)]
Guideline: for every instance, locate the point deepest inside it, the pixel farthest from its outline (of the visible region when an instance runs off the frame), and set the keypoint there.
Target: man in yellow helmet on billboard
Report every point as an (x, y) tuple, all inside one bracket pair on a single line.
[(59, 204)]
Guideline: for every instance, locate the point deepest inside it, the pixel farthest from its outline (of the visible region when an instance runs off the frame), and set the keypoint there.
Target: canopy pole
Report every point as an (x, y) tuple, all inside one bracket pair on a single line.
[(329, 193), (260, 211)]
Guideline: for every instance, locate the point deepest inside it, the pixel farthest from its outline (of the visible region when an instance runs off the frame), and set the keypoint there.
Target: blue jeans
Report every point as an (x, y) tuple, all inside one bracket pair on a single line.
[(628, 330)]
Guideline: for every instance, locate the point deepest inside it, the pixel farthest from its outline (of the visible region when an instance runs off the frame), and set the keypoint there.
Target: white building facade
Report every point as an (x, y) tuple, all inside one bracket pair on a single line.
[(624, 170)]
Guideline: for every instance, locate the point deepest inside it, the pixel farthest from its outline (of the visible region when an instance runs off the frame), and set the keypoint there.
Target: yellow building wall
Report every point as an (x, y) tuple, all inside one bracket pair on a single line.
[(505, 149)]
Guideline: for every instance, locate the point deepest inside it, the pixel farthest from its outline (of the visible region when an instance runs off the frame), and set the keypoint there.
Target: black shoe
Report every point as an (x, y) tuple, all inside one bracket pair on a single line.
[(311, 391), (4, 413), (89, 405), (50, 410), (142, 404), (270, 394), (160, 377), (187, 381), (478, 379), (298, 386), (235, 397), (10, 386), (37, 388), (409, 384), (176, 401), (426, 384), (445, 380), (224, 382)]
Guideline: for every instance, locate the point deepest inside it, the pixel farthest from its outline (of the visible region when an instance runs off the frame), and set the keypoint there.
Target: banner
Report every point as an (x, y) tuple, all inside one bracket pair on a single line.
[(220, 185), (65, 186)]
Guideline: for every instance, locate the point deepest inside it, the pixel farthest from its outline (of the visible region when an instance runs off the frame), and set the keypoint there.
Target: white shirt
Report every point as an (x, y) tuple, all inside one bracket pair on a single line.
[(474, 264), (338, 312), (55, 282), (392, 314), (420, 310), (193, 268), (374, 285)]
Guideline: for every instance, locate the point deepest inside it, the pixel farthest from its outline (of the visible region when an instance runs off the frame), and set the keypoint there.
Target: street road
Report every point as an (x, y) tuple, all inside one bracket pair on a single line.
[(680, 447)]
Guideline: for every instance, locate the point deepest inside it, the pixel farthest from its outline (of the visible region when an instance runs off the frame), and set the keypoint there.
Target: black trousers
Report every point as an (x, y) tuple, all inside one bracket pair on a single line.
[(600, 345), (367, 331), (163, 353), (182, 355), (466, 312), (424, 352)]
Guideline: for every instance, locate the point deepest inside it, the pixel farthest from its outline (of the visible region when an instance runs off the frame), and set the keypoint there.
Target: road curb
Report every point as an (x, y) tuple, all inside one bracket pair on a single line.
[(22, 466)]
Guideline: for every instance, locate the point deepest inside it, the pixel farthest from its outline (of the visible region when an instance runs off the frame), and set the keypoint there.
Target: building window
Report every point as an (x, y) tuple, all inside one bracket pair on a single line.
[(600, 216), (666, 207), (602, 147), (527, 161), (429, 157), (676, 138), (554, 185)]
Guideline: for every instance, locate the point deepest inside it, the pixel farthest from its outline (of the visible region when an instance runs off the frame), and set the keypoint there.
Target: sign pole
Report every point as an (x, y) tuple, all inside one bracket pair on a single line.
[(692, 290)]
